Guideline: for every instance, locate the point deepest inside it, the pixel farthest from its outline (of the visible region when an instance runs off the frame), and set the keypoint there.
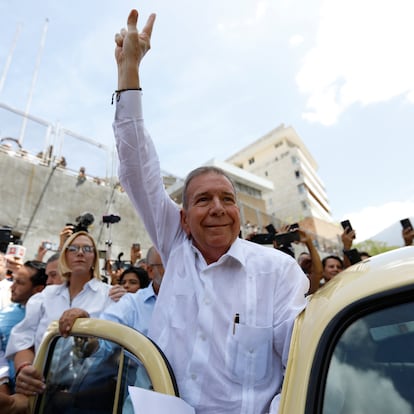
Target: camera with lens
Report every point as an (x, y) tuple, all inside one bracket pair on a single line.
[(7, 236), (265, 238), (286, 239), (120, 264), (111, 219), (291, 236), (83, 222)]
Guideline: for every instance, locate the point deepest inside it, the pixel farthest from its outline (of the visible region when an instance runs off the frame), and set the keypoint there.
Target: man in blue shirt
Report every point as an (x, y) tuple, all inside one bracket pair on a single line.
[(28, 280), (135, 309)]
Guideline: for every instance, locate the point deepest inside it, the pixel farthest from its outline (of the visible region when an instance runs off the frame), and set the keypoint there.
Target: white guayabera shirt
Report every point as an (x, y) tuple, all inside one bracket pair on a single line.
[(220, 366)]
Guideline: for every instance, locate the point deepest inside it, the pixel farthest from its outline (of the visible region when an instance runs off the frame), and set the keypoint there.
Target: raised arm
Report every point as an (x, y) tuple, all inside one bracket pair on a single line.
[(316, 266), (139, 167)]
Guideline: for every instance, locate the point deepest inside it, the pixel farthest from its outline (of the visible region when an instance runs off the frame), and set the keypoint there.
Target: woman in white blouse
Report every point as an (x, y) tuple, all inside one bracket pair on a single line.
[(82, 291)]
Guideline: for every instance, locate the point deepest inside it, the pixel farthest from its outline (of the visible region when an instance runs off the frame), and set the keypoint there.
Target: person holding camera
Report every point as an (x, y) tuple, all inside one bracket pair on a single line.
[(310, 262), (348, 237), (225, 312)]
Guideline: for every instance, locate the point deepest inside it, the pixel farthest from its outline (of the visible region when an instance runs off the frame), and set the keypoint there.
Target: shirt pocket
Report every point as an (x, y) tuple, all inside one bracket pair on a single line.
[(248, 354)]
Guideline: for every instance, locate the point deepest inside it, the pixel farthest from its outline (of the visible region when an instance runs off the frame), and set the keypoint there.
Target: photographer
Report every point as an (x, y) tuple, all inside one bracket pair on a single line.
[(64, 234), (309, 262), (347, 237)]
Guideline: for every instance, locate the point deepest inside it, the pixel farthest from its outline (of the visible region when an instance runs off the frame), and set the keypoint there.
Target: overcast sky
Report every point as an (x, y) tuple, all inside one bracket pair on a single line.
[(223, 73)]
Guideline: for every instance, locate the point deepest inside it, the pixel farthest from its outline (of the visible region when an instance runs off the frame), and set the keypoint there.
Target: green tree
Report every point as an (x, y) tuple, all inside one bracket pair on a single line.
[(374, 247)]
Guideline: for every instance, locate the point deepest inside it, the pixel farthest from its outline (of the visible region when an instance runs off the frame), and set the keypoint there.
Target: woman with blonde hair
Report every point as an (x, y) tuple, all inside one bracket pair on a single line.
[(81, 291)]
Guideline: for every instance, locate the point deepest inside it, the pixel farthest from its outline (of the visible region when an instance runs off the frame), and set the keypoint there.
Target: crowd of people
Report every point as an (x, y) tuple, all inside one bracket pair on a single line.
[(67, 285), (220, 307)]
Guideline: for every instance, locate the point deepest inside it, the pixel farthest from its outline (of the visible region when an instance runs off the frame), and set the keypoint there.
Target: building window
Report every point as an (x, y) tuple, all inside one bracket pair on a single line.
[(251, 161), (301, 189), (297, 174), (305, 205), (278, 144), (245, 189), (266, 174), (285, 154), (295, 160)]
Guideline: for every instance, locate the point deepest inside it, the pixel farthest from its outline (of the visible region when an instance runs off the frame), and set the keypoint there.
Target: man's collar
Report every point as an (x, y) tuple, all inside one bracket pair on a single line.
[(148, 292), (235, 252)]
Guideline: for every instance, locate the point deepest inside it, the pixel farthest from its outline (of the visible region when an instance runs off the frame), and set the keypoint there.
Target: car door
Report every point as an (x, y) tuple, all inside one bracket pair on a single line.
[(371, 367), (352, 348), (90, 371)]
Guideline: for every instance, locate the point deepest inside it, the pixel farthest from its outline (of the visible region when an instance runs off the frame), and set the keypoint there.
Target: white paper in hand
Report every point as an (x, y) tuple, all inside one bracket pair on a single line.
[(151, 402)]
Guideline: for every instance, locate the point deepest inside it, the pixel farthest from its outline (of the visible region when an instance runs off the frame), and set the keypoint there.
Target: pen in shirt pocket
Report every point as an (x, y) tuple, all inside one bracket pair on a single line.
[(236, 321)]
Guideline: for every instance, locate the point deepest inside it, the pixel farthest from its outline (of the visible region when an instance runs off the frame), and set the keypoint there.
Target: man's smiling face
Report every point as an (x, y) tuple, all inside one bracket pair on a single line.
[(212, 217)]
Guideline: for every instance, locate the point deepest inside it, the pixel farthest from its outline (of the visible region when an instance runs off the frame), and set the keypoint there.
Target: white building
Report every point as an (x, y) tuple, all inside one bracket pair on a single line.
[(282, 157)]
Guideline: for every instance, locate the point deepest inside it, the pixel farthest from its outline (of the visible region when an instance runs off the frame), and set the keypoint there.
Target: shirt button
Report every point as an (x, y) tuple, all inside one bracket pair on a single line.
[(193, 377), (251, 350), (207, 301), (203, 337)]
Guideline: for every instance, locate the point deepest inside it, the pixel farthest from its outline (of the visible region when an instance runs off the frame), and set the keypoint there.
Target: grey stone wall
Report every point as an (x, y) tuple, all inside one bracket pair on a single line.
[(33, 195)]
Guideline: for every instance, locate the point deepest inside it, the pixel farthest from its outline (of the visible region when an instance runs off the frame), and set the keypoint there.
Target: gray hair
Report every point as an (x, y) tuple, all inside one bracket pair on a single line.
[(53, 258), (201, 171)]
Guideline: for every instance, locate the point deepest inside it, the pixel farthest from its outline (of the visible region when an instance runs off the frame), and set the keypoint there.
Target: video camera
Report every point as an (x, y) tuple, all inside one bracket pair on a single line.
[(286, 239), (111, 219), (265, 238), (7, 237), (282, 239), (83, 222), (121, 264)]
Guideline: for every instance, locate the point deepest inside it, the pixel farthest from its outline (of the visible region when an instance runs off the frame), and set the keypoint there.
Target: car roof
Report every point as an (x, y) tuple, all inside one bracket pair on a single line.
[(383, 272)]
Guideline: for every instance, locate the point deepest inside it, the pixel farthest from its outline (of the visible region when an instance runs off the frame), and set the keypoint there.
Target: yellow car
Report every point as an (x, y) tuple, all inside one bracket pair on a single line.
[(352, 352)]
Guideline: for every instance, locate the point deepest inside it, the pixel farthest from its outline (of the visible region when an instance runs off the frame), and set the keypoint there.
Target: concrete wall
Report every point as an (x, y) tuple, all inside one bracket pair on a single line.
[(21, 186)]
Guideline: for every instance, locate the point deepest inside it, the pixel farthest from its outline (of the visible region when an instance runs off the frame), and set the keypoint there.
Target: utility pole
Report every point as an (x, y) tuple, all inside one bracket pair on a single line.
[(9, 57), (34, 79)]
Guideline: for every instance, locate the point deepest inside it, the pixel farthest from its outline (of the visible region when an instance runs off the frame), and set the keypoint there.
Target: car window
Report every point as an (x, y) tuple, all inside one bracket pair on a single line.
[(372, 366), (88, 375)]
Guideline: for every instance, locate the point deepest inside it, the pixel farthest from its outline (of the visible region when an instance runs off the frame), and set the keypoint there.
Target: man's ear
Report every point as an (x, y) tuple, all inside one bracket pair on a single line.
[(184, 222), (37, 289)]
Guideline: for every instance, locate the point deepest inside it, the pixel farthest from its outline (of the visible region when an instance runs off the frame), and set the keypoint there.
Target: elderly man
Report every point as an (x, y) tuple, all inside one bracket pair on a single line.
[(226, 308)]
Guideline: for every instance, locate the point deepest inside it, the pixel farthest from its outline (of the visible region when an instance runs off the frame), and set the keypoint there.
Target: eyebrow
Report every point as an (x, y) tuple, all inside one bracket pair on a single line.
[(204, 193)]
